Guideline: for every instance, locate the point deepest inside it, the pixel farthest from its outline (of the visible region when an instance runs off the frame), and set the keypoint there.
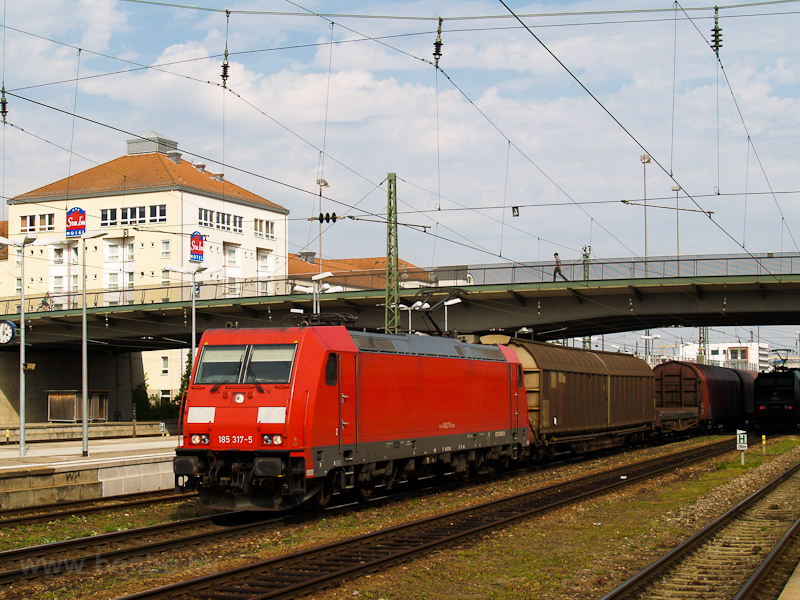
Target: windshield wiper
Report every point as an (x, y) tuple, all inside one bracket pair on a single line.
[(255, 379), (225, 378)]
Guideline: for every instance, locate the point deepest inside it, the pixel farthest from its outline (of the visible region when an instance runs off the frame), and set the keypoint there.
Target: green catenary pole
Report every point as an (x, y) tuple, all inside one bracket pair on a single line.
[(392, 323)]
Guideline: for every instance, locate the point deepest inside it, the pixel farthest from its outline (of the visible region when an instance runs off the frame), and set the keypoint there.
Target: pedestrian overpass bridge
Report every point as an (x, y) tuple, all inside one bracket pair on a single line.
[(600, 297)]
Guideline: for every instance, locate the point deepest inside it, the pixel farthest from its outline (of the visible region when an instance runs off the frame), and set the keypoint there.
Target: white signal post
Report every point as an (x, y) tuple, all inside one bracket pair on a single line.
[(741, 442)]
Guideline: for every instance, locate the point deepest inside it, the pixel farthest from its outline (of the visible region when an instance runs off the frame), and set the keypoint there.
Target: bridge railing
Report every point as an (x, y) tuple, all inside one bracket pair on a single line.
[(414, 278), (638, 268)]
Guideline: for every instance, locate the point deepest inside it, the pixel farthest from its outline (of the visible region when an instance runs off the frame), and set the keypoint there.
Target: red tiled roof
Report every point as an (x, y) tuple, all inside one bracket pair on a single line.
[(366, 272), (142, 172)]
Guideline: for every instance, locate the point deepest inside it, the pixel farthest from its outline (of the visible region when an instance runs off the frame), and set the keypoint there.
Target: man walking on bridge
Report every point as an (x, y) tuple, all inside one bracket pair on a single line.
[(557, 270)]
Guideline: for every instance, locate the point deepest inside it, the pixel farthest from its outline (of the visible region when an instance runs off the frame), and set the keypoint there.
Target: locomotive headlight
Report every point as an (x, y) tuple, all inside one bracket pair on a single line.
[(238, 398), (205, 438), (277, 440), (272, 440), (195, 439), (267, 439), (200, 438)]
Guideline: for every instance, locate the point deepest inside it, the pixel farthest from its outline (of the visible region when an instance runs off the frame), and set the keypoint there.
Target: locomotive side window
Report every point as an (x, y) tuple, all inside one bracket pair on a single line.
[(219, 364), (331, 370), (270, 364)]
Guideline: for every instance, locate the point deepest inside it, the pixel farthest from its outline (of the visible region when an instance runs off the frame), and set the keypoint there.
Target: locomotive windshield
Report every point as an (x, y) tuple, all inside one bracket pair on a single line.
[(220, 363), (270, 364), (246, 364)]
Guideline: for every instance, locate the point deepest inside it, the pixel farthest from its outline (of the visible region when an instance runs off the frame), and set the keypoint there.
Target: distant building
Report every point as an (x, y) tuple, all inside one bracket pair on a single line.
[(148, 204), (750, 356)]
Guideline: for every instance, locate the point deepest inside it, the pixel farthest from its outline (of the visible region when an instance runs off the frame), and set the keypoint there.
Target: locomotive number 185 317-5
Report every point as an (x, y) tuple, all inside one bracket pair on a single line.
[(236, 439)]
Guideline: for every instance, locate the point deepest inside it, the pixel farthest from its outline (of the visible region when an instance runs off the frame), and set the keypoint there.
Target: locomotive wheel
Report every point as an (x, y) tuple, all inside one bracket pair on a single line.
[(365, 490), (324, 495)]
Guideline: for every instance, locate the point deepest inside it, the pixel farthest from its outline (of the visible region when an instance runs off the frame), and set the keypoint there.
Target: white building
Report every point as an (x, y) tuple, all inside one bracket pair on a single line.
[(147, 204), (751, 356)]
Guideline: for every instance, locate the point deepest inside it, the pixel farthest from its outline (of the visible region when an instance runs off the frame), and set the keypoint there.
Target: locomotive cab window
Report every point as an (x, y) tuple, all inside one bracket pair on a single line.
[(219, 364), (270, 364), (331, 370)]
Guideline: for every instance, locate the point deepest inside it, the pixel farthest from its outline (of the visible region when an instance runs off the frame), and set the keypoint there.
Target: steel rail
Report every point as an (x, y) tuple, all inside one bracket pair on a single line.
[(32, 514), (315, 568), (766, 567), (652, 570)]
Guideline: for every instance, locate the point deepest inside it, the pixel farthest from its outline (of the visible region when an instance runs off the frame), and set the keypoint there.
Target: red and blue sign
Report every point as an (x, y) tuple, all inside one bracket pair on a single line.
[(76, 222), (196, 247)]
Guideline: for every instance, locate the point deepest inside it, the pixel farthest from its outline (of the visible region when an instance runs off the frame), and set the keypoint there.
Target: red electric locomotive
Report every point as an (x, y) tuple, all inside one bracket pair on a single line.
[(277, 417)]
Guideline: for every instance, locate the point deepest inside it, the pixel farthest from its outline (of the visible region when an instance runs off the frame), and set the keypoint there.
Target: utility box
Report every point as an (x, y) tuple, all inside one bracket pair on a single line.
[(66, 406)]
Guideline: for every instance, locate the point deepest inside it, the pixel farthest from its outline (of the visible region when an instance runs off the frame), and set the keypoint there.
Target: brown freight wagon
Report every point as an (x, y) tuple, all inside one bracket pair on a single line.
[(583, 400), (696, 396)]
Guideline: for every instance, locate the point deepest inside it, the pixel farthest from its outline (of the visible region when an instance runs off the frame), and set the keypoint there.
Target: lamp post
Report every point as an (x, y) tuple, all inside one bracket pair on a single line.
[(677, 189), (84, 343), (315, 282), (28, 240), (193, 273), (446, 304), (647, 348), (321, 183), (645, 158)]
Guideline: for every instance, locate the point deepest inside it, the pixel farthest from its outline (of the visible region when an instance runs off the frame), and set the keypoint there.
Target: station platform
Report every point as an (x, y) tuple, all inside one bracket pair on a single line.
[(53, 471)]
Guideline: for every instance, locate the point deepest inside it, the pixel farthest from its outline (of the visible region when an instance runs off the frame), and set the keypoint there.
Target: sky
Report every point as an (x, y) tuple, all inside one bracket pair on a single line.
[(551, 118)]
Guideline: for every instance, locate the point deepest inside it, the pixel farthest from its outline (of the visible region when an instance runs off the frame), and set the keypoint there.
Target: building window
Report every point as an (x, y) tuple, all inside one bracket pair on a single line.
[(231, 285), (58, 285), (129, 277), (223, 221), (164, 365), (231, 255), (132, 216), (113, 281), (47, 222), (269, 232), (112, 252), (738, 353), (206, 218), (166, 396), (18, 286), (27, 223), (108, 217), (165, 278), (158, 213), (237, 224), (58, 256), (74, 283), (18, 258), (263, 262), (164, 248), (258, 227), (131, 251)]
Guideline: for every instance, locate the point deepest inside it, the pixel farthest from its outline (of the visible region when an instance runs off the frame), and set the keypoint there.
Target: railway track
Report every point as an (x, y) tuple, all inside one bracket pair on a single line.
[(305, 571), (749, 552), (44, 513)]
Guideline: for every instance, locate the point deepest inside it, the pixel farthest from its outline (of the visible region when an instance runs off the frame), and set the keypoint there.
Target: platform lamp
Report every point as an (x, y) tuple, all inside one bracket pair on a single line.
[(645, 158), (84, 342), (193, 272), (449, 303), (315, 282), (28, 240), (677, 189)]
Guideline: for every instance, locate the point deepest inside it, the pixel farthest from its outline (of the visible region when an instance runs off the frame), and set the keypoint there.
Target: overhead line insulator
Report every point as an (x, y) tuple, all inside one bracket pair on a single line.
[(437, 45), (716, 33)]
